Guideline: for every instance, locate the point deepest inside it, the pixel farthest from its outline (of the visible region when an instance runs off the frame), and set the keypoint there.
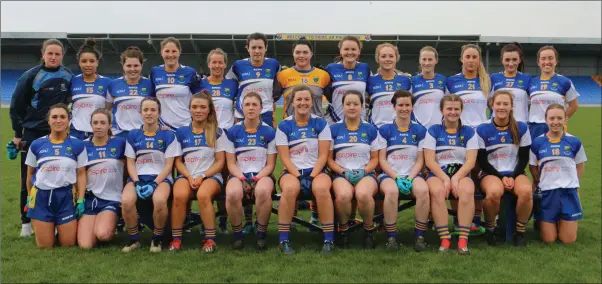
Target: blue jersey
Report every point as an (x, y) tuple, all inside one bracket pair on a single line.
[(352, 148), (251, 146), (557, 161), (346, 79), (56, 163), (380, 91), (258, 79), (546, 91), (223, 94), (303, 141), (450, 146), (126, 101), (502, 153), (475, 102), (518, 85), (38, 89), (105, 168), (403, 146), (197, 156), (427, 93), (151, 150), (86, 98), (174, 89)]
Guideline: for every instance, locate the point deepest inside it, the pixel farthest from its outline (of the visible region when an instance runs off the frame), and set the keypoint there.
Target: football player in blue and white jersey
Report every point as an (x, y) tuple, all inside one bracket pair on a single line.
[(88, 90), (125, 93), (428, 88), (303, 142), (174, 84), (547, 89), (56, 163), (512, 80), (346, 74), (382, 85), (472, 85), (251, 156), (557, 163), (105, 177), (450, 153), (150, 153), (353, 158), (401, 162), (257, 74), (503, 155), (223, 91), (202, 144)]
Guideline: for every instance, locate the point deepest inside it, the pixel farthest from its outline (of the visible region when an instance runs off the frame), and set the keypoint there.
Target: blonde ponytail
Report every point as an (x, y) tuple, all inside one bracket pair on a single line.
[(484, 80)]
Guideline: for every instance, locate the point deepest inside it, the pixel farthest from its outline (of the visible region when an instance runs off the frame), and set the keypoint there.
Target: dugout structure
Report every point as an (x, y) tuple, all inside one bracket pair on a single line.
[(578, 57)]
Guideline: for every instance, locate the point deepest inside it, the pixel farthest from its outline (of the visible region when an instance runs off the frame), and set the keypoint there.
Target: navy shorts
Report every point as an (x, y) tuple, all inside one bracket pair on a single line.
[(149, 178), (268, 118), (384, 176), (560, 204), (371, 174), (123, 134), (217, 177), (54, 206), (537, 129), (95, 205), (81, 135)]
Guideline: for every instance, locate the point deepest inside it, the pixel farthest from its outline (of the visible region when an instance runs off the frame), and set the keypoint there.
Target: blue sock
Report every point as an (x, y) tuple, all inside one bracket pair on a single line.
[(283, 231)]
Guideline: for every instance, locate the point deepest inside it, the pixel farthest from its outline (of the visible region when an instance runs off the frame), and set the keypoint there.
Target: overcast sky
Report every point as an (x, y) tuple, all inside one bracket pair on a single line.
[(516, 19)]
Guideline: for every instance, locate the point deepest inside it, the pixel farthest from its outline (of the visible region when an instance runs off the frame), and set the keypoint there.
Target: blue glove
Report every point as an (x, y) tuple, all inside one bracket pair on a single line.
[(404, 184), (11, 150), (139, 185), (305, 184), (80, 208), (347, 174), (357, 176), (148, 189)]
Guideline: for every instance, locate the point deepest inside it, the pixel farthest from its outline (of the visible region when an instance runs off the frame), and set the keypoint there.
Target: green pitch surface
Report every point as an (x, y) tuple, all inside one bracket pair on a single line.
[(579, 262)]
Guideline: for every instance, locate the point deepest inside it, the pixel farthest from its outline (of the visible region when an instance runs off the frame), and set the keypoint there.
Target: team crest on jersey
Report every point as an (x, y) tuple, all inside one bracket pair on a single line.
[(100, 89), (413, 138), (398, 86), (364, 137), (268, 72), (143, 91), (261, 140), (68, 150), (316, 79), (181, 78), (360, 75), (520, 83), (113, 152), (63, 87), (160, 144), (227, 91), (461, 139), (567, 147)]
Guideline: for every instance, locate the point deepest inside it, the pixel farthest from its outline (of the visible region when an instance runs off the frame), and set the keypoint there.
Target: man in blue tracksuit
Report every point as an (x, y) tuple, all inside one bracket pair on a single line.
[(37, 89)]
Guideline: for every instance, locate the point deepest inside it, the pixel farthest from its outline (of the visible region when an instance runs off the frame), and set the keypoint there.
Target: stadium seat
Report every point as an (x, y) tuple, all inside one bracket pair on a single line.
[(589, 88)]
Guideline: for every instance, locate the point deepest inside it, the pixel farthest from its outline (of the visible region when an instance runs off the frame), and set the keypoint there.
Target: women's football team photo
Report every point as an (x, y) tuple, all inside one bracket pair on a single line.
[(96, 152)]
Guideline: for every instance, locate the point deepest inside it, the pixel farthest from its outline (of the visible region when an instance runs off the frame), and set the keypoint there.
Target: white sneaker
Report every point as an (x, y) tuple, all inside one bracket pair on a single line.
[(155, 246), (26, 230), (133, 245)]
